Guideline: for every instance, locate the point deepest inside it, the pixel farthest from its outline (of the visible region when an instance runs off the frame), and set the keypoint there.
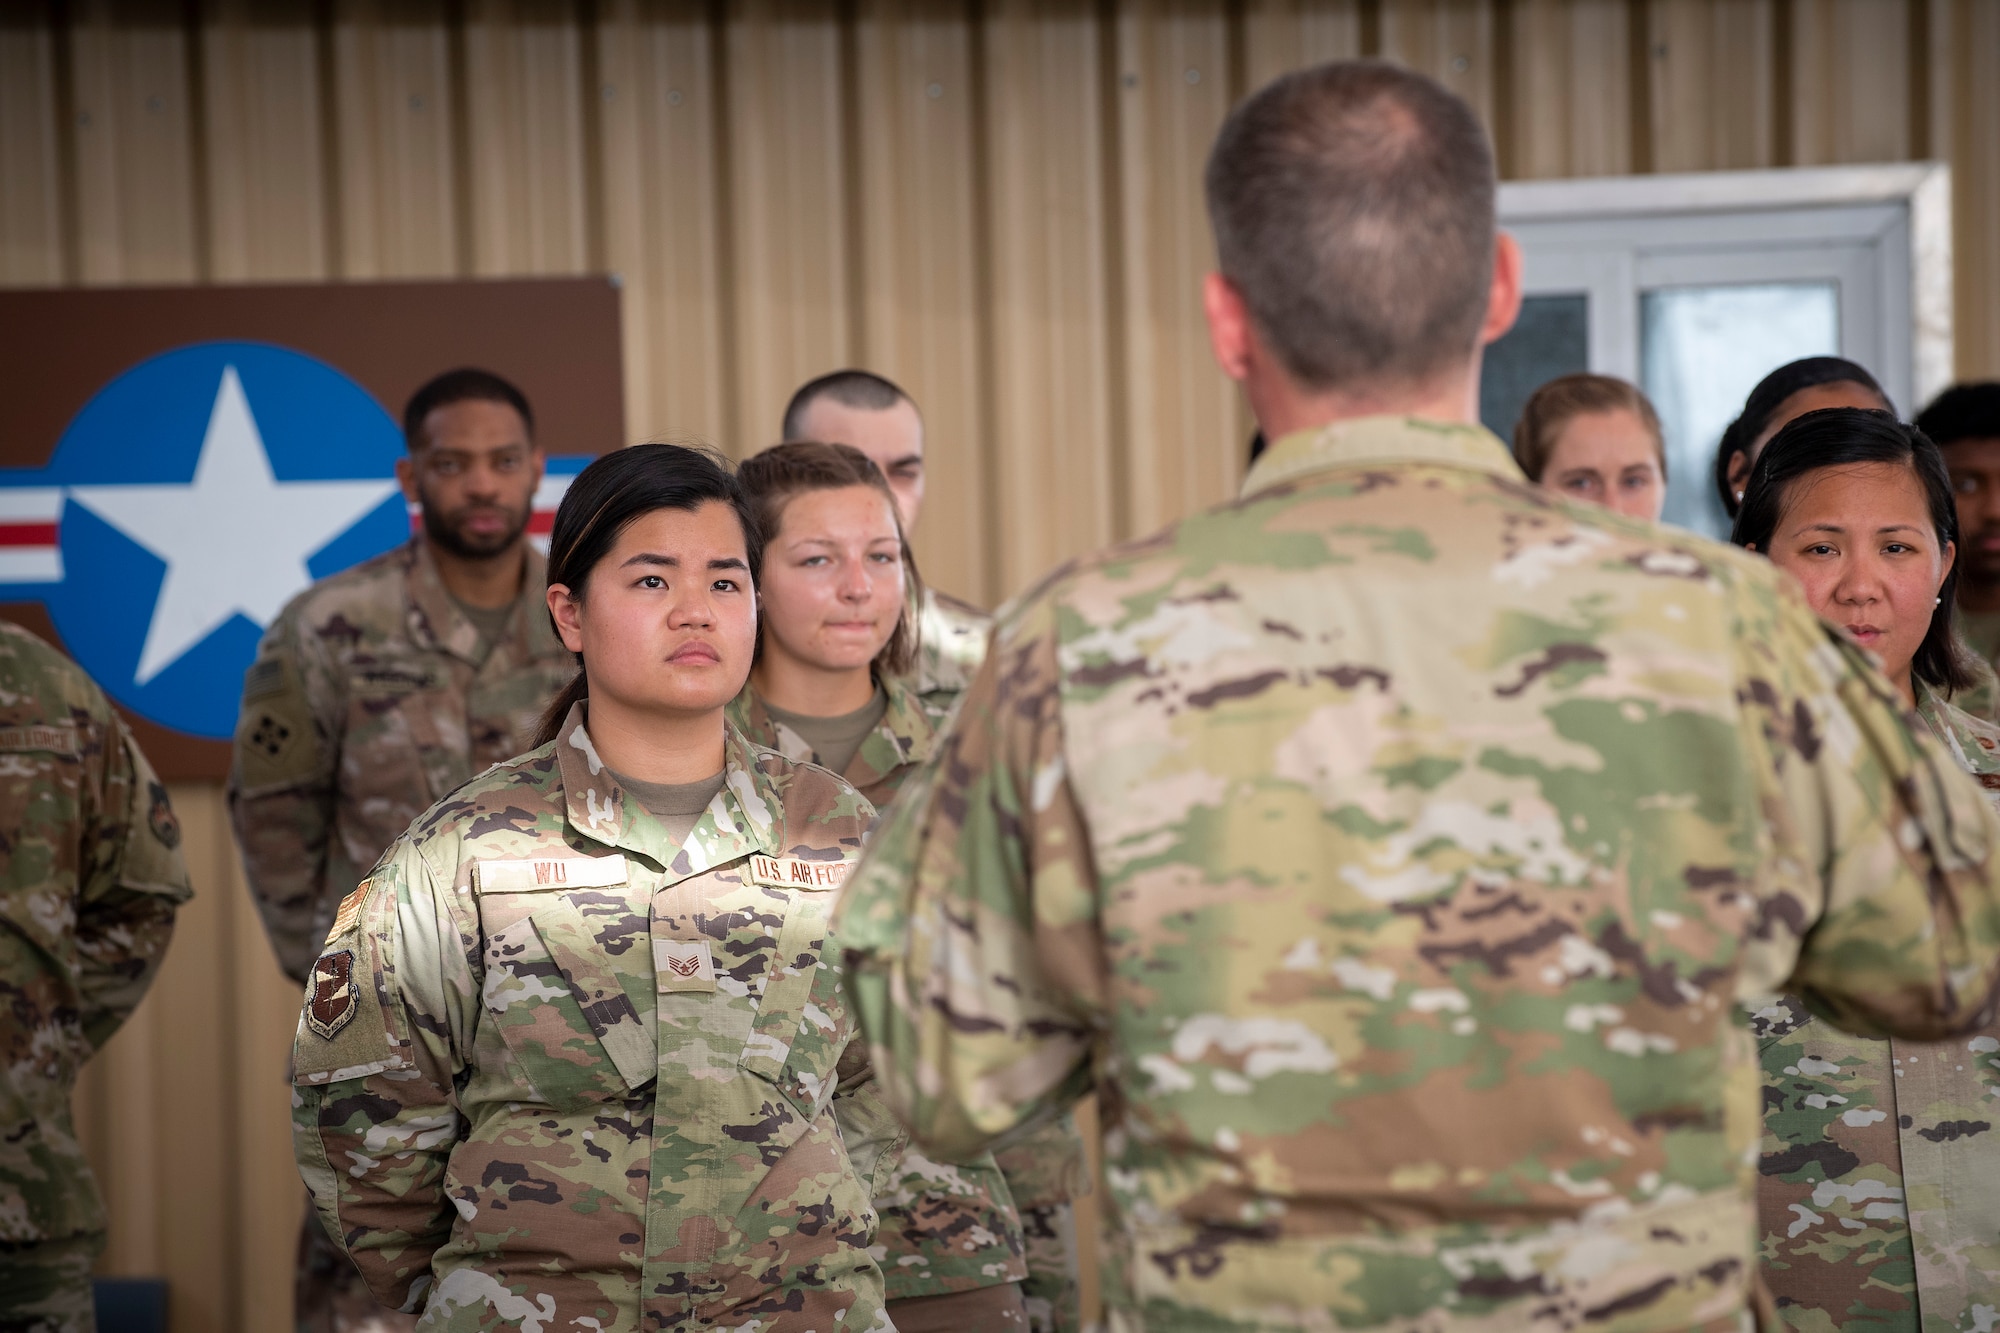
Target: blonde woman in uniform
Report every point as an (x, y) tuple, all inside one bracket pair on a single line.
[(837, 641), (572, 1056)]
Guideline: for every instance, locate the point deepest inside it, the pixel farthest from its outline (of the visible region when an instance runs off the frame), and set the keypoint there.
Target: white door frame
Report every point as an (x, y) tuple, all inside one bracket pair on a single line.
[(1612, 235)]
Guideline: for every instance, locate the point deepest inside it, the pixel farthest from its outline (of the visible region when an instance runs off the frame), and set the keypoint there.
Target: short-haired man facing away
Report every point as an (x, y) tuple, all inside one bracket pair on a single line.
[(1393, 845), (378, 691)]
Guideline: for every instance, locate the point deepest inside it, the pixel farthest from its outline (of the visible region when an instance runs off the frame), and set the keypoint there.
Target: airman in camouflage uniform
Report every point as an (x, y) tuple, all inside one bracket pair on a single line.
[(373, 696), (1389, 847), (1046, 1172), (378, 691), (515, 1112), (1879, 1185), (946, 1228), (92, 879)]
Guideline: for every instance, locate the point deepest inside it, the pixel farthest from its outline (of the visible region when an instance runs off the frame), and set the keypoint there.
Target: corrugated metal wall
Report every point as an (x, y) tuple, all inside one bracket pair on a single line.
[(994, 202)]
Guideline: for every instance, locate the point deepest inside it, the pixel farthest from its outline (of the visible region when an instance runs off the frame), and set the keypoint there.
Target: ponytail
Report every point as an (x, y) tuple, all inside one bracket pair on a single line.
[(567, 698)]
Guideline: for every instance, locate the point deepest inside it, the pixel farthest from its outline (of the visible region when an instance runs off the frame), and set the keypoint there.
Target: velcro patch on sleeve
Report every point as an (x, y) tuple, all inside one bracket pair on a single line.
[(795, 872), (552, 874), (349, 915)]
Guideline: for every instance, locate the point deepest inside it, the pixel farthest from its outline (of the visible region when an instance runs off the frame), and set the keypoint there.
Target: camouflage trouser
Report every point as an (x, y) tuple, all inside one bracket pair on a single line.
[(1054, 1289), (975, 1311), (328, 1295), (45, 1285)]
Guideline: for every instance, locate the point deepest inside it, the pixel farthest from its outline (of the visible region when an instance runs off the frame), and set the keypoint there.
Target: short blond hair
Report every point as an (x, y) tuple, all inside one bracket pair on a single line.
[(1566, 397)]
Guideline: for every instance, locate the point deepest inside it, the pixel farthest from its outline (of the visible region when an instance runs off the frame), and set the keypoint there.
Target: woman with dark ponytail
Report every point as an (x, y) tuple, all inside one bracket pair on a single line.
[(574, 1059), (1879, 1184)]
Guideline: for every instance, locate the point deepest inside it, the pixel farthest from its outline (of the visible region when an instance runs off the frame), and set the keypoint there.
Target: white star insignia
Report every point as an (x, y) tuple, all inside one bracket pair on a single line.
[(235, 539)]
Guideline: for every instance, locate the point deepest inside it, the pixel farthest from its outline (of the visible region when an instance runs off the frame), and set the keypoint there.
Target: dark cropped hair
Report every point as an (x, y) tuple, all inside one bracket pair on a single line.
[(608, 497), (1842, 437), (1353, 206), (1963, 412), (1770, 395), (850, 388), (467, 384), (774, 478)]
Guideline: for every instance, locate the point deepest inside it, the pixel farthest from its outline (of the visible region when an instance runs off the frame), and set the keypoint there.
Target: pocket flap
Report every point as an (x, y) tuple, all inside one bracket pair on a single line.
[(587, 942), (548, 874)]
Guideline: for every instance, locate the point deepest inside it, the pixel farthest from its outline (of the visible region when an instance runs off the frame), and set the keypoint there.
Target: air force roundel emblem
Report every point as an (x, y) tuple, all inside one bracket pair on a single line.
[(190, 499)]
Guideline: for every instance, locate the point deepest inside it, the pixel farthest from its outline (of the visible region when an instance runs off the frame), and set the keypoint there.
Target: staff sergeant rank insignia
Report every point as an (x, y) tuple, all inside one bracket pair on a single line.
[(330, 1003)]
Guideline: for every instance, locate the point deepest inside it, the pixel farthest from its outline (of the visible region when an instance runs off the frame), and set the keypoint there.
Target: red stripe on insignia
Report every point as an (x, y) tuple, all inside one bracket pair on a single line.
[(27, 534), (541, 522)]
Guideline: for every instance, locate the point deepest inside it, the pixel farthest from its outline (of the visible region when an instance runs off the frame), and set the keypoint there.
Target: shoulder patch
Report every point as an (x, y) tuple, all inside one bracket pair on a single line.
[(330, 995), (160, 817), (265, 678), (349, 914)]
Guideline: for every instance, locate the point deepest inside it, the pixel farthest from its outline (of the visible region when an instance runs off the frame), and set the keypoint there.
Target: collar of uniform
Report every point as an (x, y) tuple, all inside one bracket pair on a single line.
[(743, 818), (1379, 442), (906, 725), (437, 622), (1974, 742)]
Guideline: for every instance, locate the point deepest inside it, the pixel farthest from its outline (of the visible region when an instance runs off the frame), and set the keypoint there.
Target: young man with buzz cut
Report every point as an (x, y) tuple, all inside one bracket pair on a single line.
[(1395, 846), (378, 691)]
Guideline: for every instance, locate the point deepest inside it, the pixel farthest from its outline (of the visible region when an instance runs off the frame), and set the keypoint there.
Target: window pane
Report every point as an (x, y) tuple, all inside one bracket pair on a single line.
[(1701, 351), (1551, 338)]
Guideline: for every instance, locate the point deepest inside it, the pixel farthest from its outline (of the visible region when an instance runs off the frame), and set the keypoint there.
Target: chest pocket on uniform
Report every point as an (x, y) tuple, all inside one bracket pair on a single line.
[(407, 708), (800, 1028), (569, 981)]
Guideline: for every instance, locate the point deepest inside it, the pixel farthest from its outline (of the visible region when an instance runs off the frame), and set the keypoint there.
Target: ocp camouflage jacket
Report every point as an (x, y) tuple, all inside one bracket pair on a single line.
[(556, 1071), (90, 879), (1390, 847), (945, 1226), (1879, 1175)]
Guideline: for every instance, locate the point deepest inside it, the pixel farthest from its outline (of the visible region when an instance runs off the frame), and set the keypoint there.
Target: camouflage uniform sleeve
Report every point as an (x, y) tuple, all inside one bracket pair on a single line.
[(388, 1013), (970, 929), (282, 786), (868, 1127), (134, 884), (1881, 872)]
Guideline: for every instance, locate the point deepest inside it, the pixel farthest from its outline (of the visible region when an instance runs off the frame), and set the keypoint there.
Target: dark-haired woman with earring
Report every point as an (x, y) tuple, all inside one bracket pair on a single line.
[(1879, 1187), (572, 1057)]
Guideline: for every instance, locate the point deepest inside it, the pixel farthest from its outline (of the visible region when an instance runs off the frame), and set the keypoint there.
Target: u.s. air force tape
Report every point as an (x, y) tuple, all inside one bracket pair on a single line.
[(795, 872), (551, 874)]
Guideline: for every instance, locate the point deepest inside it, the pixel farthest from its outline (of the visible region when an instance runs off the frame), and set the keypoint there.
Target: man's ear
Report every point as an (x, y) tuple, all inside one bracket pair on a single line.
[(1503, 293), (567, 612), (1229, 331), (406, 477)]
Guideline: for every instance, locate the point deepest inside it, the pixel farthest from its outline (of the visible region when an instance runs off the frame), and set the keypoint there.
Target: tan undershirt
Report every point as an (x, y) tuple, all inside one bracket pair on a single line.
[(834, 740), (488, 620), (677, 805)]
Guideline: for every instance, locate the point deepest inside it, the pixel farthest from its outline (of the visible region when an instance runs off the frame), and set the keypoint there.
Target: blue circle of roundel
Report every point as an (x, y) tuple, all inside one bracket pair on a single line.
[(203, 488)]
